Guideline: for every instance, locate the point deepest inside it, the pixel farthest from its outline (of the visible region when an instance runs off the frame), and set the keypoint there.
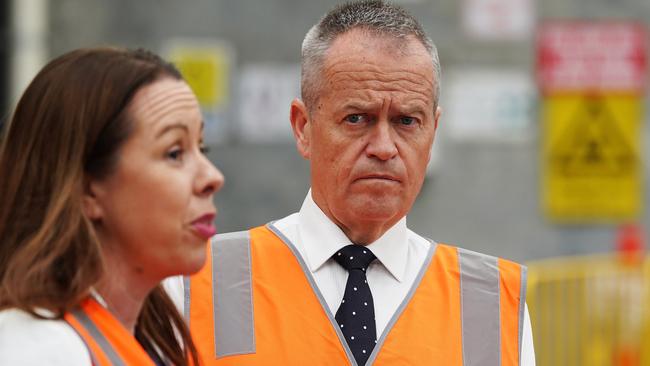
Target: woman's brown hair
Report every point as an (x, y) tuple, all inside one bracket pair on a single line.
[(68, 127)]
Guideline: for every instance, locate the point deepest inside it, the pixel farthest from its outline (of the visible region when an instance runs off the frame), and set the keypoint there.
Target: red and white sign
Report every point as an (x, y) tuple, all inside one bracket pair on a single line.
[(592, 56)]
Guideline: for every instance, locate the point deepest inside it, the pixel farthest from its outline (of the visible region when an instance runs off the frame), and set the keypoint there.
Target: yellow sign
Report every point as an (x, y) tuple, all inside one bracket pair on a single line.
[(591, 166), (206, 68)]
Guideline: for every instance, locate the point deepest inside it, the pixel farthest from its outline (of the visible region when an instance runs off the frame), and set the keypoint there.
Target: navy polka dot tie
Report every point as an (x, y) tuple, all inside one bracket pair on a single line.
[(356, 314)]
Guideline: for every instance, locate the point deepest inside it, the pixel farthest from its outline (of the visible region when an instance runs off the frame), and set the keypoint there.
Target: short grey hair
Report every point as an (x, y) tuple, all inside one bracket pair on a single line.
[(378, 17)]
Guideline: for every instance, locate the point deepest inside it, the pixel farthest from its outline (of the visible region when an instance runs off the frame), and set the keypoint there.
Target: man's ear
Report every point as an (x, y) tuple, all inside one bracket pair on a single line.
[(91, 204), (301, 126)]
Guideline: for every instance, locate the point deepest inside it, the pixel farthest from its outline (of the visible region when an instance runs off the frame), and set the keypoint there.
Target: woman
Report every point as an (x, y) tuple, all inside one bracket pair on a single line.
[(104, 193)]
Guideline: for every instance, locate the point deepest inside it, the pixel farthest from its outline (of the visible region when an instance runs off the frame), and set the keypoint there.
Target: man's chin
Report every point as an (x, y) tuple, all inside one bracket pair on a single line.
[(376, 208)]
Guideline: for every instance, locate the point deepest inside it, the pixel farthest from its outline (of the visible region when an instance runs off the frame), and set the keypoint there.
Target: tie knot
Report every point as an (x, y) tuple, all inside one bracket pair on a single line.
[(354, 257)]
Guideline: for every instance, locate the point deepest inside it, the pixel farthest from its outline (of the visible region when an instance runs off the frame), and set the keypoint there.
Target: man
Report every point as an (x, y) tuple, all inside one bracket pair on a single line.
[(344, 281)]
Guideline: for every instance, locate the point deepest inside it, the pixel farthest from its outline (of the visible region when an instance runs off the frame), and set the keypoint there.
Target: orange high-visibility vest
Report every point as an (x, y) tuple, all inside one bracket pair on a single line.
[(256, 303), (108, 342)]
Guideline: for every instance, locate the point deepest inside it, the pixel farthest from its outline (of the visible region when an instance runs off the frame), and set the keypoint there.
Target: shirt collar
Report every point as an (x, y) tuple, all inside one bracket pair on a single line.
[(321, 238)]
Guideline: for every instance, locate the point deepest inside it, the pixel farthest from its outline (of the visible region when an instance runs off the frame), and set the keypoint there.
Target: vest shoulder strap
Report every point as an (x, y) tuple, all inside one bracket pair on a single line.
[(492, 308), (234, 329), (108, 342)]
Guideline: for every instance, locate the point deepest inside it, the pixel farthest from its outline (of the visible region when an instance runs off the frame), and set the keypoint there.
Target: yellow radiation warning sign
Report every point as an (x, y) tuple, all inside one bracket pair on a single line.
[(206, 68), (591, 157)]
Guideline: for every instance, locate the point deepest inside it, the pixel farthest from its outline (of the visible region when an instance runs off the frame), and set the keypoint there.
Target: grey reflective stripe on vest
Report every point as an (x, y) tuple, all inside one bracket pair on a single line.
[(480, 312), (522, 305), (94, 332), (234, 328)]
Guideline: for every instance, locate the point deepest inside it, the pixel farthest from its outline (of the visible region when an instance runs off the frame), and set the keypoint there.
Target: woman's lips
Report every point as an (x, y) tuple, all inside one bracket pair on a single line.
[(204, 226)]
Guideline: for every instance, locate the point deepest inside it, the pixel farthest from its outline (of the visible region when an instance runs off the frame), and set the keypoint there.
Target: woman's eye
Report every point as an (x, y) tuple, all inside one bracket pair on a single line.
[(175, 154), (355, 118), (407, 121)]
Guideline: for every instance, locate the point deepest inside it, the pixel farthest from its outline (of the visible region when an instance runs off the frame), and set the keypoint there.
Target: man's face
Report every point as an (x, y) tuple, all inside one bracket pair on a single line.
[(369, 135)]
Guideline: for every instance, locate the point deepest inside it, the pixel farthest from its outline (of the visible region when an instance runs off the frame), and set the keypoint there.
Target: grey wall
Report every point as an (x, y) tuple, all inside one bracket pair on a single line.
[(484, 196)]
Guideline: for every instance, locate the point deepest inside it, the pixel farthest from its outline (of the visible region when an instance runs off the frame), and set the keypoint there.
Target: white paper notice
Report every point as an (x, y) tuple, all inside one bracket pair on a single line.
[(494, 105), (265, 95), (499, 19)]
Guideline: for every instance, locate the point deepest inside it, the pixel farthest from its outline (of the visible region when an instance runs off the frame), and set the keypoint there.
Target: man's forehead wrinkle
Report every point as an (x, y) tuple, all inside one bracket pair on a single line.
[(342, 81), (400, 82), (353, 71), (369, 92), (373, 62), (382, 75)]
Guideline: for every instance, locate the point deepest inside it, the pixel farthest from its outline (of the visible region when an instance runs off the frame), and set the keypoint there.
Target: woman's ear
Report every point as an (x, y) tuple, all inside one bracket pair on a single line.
[(91, 204)]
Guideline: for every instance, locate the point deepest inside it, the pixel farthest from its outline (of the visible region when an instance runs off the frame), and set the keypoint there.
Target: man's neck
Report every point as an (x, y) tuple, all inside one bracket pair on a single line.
[(361, 232)]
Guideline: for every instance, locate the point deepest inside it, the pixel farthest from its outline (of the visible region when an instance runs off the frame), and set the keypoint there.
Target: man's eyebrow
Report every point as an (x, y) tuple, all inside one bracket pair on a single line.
[(413, 109), (172, 126), (358, 105), (414, 105)]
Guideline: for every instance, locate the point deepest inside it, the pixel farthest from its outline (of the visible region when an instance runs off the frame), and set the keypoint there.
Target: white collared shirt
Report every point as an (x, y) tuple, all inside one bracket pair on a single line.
[(29, 341), (400, 255)]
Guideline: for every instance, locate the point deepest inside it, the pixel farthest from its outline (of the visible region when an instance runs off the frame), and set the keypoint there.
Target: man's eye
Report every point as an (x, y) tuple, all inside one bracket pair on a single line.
[(355, 118), (407, 121)]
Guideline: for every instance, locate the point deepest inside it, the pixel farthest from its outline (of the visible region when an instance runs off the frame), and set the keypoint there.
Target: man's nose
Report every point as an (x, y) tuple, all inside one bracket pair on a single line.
[(381, 142)]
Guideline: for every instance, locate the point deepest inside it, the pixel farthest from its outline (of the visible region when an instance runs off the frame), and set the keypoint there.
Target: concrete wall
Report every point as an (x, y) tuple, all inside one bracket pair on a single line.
[(484, 196)]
